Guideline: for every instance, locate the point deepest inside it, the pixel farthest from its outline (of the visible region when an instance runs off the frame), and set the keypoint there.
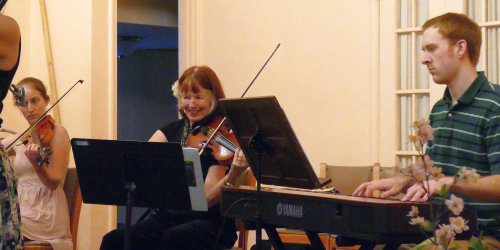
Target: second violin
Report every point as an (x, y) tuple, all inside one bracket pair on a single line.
[(41, 134)]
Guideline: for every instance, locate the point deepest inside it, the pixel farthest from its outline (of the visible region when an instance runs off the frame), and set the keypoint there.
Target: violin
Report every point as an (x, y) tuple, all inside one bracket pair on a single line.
[(225, 143), (41, 134), (221, 145)]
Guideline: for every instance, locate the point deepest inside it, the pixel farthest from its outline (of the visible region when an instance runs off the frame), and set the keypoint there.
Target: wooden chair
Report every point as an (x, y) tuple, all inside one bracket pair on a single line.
[(491, 242), (346, 178), (74, 197), (299, 237)]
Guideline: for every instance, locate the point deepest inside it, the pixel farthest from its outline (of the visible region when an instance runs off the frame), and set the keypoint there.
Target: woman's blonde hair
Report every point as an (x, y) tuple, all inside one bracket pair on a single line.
[(35, 83), (195, 78)]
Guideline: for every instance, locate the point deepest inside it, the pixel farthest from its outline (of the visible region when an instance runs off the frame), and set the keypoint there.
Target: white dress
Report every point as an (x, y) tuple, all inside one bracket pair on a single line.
[(44, 212)]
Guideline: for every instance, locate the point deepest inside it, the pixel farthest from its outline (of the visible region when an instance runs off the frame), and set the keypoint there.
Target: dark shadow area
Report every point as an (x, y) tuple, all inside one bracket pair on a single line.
[(145, 100)]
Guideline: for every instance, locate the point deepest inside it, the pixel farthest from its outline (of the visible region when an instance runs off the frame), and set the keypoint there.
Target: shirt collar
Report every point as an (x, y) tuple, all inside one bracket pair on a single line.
[(471, 92), (206, 120)]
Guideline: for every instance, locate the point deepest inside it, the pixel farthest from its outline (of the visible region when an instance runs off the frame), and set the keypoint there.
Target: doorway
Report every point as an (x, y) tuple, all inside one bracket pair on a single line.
[(147, 68)]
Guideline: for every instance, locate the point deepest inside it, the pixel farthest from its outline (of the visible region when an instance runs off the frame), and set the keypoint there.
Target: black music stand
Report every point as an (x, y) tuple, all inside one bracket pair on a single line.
[(260, 124), (131, 173), (270, 146)]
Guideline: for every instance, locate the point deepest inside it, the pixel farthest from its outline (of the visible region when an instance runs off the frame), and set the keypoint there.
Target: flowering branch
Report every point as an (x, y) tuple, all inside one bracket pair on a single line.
[(423, 172)]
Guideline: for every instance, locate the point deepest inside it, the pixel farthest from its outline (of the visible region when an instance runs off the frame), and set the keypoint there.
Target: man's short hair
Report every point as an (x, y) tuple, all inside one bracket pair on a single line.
[(456, 27)]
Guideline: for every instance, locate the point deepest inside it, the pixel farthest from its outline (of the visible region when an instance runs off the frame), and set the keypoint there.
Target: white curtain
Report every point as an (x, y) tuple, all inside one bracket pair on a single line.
[(406, 65), (405, 15), (405, 122), (422, 12), (474, 8), (405, 79), (493, 40)]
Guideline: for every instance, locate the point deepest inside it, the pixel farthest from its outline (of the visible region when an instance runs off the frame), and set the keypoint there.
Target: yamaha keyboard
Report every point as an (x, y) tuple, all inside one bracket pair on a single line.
[(382, 221)]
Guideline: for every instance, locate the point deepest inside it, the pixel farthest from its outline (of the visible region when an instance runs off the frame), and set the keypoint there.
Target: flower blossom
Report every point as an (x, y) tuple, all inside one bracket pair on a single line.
[(455, 204), (426, 162), (420, 169), (425, 133), (417, 221), (413, 138), (458, 224), (406, 170), (436, 173), (444, 235), (422, 223), (468, 175), (423, 130), (421, 122), (413, 212)]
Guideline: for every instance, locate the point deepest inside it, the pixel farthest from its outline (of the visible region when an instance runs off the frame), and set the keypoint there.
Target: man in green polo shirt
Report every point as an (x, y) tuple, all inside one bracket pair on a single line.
[(466, 121)]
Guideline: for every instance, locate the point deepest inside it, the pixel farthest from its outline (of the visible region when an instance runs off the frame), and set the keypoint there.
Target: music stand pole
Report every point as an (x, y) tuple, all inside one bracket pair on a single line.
[(130, 187), (258, 226), (259, 145)]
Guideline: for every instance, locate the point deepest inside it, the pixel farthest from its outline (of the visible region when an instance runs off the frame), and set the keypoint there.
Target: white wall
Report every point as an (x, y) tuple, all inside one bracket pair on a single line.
[(325, 74)]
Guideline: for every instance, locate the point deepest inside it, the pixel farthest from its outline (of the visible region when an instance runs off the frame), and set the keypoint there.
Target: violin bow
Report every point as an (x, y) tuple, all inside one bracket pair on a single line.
[(250, 85), (41, 117)]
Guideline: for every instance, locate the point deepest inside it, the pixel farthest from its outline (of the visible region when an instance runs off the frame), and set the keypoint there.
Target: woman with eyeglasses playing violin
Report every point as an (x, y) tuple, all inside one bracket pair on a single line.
[(10, 50), (197, 92), (40, 164)]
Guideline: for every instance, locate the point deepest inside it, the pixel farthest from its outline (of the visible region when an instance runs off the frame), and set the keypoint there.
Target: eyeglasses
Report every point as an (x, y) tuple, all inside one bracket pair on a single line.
[(198, 99)]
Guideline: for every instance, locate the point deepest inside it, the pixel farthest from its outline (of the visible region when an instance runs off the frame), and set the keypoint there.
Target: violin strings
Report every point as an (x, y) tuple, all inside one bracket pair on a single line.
[(221, 139), (226, 143)]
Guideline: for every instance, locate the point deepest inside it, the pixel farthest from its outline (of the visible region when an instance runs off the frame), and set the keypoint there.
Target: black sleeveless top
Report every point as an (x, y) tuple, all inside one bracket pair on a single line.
[(6, 79), (178, 131)]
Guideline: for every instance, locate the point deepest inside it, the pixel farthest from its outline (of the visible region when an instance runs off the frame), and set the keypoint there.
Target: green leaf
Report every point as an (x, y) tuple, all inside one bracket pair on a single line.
[(443, 193), (427, 226), (422, 245), (477, 244)]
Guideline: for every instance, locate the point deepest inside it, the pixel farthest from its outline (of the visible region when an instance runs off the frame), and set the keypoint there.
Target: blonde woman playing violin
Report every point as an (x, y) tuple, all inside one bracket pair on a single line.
[(197, 92), (44, 209)]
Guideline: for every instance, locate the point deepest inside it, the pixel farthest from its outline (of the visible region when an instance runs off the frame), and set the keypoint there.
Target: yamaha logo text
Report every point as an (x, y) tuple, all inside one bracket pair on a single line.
[(289, 210)]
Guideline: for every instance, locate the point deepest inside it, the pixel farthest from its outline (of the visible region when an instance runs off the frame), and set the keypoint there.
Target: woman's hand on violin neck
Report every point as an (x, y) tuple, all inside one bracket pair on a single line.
[(239, 159), (238, 166), (32, 153)]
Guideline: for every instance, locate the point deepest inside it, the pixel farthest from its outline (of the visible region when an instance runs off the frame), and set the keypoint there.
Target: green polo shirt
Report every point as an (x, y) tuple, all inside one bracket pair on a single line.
[(468, 134)]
